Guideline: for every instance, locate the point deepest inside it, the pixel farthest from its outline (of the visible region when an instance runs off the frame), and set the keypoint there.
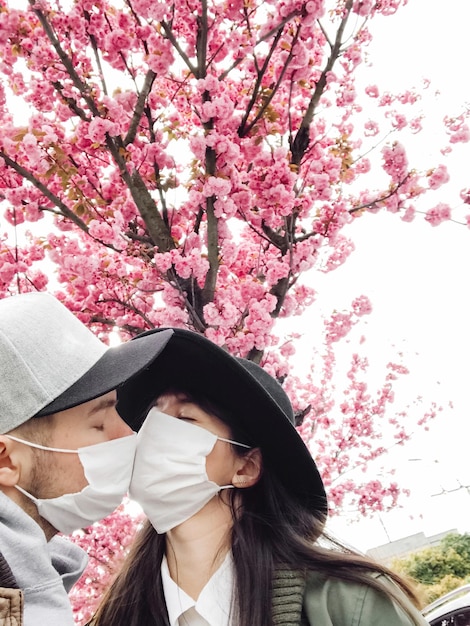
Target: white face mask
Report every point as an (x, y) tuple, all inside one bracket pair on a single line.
[(169, 480), (107, 467)]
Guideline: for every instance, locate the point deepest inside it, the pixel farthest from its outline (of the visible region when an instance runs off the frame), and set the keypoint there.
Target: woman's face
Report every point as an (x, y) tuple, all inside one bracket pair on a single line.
[(221, 462)]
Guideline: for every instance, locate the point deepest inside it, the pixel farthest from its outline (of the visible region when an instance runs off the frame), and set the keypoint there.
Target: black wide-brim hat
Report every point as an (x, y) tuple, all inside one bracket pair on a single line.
[(255, 401)]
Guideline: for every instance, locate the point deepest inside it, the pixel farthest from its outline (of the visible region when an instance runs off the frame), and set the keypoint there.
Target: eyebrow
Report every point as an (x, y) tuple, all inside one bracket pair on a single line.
[(106, 403)]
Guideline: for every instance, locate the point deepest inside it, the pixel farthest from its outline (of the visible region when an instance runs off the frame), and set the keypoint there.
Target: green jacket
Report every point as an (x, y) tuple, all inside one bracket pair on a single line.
[(317, 600)]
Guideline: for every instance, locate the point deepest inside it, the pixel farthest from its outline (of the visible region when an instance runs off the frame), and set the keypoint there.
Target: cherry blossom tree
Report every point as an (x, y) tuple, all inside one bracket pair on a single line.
[(107, 544), (193, 163)]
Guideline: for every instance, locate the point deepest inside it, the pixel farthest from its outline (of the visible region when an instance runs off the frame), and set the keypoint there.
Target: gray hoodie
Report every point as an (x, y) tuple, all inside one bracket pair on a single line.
[(45, 571)]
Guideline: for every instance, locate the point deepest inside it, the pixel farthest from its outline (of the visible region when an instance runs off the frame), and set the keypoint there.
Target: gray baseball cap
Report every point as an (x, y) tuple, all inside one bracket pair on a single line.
[(50, 361)]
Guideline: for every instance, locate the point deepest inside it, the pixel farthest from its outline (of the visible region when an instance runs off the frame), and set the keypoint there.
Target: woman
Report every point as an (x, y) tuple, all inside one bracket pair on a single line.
[(236, 510)]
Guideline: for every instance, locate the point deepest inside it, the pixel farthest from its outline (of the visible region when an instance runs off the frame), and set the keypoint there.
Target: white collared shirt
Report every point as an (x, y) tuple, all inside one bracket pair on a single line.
[(212, 608)]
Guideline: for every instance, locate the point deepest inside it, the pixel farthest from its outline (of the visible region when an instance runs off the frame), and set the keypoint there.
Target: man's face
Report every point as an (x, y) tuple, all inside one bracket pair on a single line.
[(50, 474)]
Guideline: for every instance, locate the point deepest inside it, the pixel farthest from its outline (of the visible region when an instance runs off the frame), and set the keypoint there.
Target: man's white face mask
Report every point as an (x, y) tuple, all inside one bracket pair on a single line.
[(170, 480), (107, 467)]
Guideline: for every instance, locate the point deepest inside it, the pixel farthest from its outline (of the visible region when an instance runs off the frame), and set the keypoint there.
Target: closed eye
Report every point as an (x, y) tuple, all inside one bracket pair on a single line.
[(186, 418)]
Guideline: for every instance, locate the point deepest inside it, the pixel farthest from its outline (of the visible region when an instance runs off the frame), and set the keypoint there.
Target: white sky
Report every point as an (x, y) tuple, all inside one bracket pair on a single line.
[(417, 279), (415, 276)]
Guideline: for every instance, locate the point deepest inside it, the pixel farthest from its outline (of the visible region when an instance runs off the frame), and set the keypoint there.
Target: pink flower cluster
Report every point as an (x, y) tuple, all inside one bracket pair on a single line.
[(395, 162), (438, 214), (438, 177), (107, 544)]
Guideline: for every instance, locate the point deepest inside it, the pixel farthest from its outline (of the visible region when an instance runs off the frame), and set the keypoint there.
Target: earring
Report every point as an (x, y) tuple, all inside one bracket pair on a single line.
[(241, 484)]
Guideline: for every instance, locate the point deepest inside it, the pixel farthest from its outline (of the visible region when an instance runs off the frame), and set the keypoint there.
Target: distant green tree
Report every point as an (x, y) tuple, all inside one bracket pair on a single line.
[(460, 543), (439, 569)]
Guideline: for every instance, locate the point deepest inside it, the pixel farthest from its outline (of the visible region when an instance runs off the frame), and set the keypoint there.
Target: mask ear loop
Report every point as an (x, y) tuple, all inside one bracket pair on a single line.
[(39, 447), (26, 493), (235, 443)]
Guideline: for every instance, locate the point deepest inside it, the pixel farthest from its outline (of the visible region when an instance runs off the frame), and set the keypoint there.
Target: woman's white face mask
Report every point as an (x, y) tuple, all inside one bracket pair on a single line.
[(107, 467), (170, 480)]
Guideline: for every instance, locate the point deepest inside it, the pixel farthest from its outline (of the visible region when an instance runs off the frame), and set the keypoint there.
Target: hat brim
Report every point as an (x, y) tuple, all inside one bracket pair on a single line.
[(192, 362), (118, 365)]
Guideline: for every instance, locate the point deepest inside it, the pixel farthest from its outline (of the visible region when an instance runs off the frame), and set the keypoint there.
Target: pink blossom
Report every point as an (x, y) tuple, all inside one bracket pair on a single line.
[(117, 41), (338, 327), (342, 250), (399, 120), (363, 166), (331, 77), (462, 135), (102, 231), (276, 271), (99, 127), (371, 128), (208, 111), (155, 9), (363, 7), (437, 177), (215, 186), (372, 91), (315, 8), (225, 208), (362, 306), (438, 214), (198, 146), (395, 161), (209, 83), (416, 124), (465, 196), (223, 106), (354, 55), (409, 214), (287, 349), (7, 271)]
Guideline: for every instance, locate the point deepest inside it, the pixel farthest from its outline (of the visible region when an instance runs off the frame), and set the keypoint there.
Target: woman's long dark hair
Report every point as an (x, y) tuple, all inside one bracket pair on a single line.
[(271, 531)]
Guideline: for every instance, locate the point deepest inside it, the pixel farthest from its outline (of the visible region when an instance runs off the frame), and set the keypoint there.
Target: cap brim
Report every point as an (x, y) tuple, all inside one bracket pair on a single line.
[(118, 365), (192, 362)]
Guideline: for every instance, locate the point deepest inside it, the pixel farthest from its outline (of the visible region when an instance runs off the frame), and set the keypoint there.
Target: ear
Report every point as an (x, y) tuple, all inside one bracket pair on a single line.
[(9, 462), (249, 471)]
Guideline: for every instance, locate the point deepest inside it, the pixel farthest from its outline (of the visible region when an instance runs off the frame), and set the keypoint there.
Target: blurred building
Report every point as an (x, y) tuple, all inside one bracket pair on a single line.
[(405, 546)]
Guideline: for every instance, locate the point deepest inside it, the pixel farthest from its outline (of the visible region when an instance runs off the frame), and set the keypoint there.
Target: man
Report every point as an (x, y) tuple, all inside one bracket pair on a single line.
[(66, 456)]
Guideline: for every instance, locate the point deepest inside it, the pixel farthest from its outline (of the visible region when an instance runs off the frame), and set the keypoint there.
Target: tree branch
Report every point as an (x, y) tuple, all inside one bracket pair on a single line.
[(139, 107), (56, 201), (169, 33), (201, 41), (242, 128), (82, 87), (300, 144)]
